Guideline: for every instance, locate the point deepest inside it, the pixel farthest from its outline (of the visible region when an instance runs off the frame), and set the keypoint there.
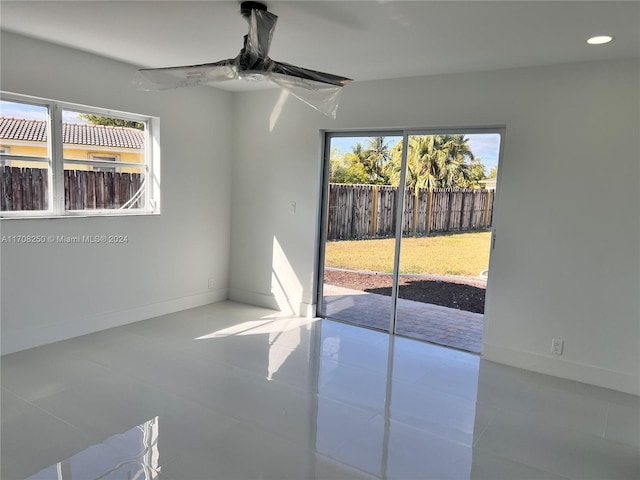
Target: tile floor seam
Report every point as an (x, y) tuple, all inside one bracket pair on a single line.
[(606, 419), (528, 464), (53, 415), (484, 429), (370, 410), (358, 470)]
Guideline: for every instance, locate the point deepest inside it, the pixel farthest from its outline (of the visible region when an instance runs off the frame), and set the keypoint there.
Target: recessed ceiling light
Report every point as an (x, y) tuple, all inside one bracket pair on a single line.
[(599, 40)]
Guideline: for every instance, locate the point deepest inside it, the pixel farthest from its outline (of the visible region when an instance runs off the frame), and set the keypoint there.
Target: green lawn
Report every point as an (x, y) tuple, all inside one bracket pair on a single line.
[(455, 254)]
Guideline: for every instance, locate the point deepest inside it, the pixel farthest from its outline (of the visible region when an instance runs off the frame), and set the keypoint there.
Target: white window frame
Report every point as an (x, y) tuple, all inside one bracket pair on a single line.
[(56, 161), (113, 165), (4, 151)]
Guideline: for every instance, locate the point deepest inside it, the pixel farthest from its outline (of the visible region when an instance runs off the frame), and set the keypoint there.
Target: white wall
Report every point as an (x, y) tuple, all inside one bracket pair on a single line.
[(56, 291), (567, 260)]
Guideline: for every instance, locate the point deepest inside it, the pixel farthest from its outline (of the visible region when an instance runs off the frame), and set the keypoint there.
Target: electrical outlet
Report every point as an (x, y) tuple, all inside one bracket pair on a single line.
[(211, 283), (292, 207), (556, 346)]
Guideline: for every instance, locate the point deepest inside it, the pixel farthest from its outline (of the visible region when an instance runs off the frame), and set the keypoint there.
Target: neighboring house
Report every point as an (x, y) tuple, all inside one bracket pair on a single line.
[(488, 184), (81, 142)]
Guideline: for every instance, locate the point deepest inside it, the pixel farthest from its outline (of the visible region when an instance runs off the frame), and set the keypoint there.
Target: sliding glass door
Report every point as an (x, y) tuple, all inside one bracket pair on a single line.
[(359, 230), (406, 229)]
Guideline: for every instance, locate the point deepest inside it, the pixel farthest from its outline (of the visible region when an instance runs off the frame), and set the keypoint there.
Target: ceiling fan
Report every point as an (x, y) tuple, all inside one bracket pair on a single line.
[(318, 89)]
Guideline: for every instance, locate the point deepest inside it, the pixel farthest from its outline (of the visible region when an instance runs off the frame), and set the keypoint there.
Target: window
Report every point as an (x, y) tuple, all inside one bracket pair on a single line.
[(26, 161), (6, 151), (63, 160), (104, 160)]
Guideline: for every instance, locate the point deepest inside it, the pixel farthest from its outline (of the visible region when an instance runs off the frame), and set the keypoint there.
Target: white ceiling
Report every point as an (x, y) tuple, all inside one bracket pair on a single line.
[(363, 40)]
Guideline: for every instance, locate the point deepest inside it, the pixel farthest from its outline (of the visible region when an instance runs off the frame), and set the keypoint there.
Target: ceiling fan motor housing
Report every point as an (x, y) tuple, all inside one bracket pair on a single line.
[(246, 7)]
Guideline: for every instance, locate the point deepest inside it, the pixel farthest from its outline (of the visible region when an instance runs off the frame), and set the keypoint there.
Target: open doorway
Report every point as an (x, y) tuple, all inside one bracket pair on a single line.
[(406, 232)]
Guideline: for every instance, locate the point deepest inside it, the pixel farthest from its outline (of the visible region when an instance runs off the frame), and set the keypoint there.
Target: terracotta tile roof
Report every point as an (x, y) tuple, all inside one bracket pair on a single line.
[(21, 129), (73, 133)]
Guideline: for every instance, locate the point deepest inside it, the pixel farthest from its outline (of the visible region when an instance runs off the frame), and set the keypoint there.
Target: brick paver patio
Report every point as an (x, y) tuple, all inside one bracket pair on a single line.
[(423, 321)]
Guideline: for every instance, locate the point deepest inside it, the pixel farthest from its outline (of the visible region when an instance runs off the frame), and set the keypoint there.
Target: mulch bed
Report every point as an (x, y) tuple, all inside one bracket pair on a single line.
[(447, 293)]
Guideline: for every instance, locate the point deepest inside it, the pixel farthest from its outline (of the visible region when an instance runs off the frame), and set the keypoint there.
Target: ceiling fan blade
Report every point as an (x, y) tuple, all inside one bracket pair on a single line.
[(323, 97), (304, 74), (317, 89), (153, 79)]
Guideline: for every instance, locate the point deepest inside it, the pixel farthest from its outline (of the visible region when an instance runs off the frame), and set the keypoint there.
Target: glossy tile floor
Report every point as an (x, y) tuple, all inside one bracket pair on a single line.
[(229, 391)]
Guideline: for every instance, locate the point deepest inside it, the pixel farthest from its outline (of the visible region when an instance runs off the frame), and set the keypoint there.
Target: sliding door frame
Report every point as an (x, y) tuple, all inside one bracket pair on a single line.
[(405, 133), (324, 208)]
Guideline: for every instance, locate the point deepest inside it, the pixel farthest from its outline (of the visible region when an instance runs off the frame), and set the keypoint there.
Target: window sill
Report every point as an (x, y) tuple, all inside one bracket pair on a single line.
[(47, 216)]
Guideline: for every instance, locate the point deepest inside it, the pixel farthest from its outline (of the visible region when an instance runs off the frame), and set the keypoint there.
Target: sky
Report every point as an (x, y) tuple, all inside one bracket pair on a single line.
[(486, 146), (33, 112)]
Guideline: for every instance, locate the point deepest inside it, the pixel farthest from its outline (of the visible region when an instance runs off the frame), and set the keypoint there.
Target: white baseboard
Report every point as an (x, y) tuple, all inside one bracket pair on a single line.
[(282, 304), (615, 380), (24, 339)]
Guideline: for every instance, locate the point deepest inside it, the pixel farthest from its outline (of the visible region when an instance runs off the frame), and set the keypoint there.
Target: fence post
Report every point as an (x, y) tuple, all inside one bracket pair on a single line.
[(472, 206), (448, 213), (462, 205), (488, 211), (374, 211), (429, 211), (415, 212)]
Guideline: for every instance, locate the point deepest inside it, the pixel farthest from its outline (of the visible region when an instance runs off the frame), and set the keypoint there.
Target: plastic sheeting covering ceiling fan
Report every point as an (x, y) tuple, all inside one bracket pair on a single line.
[(317, 89)]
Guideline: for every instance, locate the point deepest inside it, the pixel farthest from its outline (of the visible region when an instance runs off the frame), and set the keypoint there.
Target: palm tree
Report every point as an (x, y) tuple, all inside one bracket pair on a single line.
[(435, 161), (374, 159), (454, 167), (377, 158)]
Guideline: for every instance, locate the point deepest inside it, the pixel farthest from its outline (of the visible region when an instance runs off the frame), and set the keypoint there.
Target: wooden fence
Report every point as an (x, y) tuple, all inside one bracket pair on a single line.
[(368, 211), (28, 189)]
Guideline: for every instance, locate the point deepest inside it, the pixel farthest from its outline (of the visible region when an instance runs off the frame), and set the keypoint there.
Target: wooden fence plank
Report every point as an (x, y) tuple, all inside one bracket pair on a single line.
[(5, 189), (28, 189), (16, 189), (368, 211)]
